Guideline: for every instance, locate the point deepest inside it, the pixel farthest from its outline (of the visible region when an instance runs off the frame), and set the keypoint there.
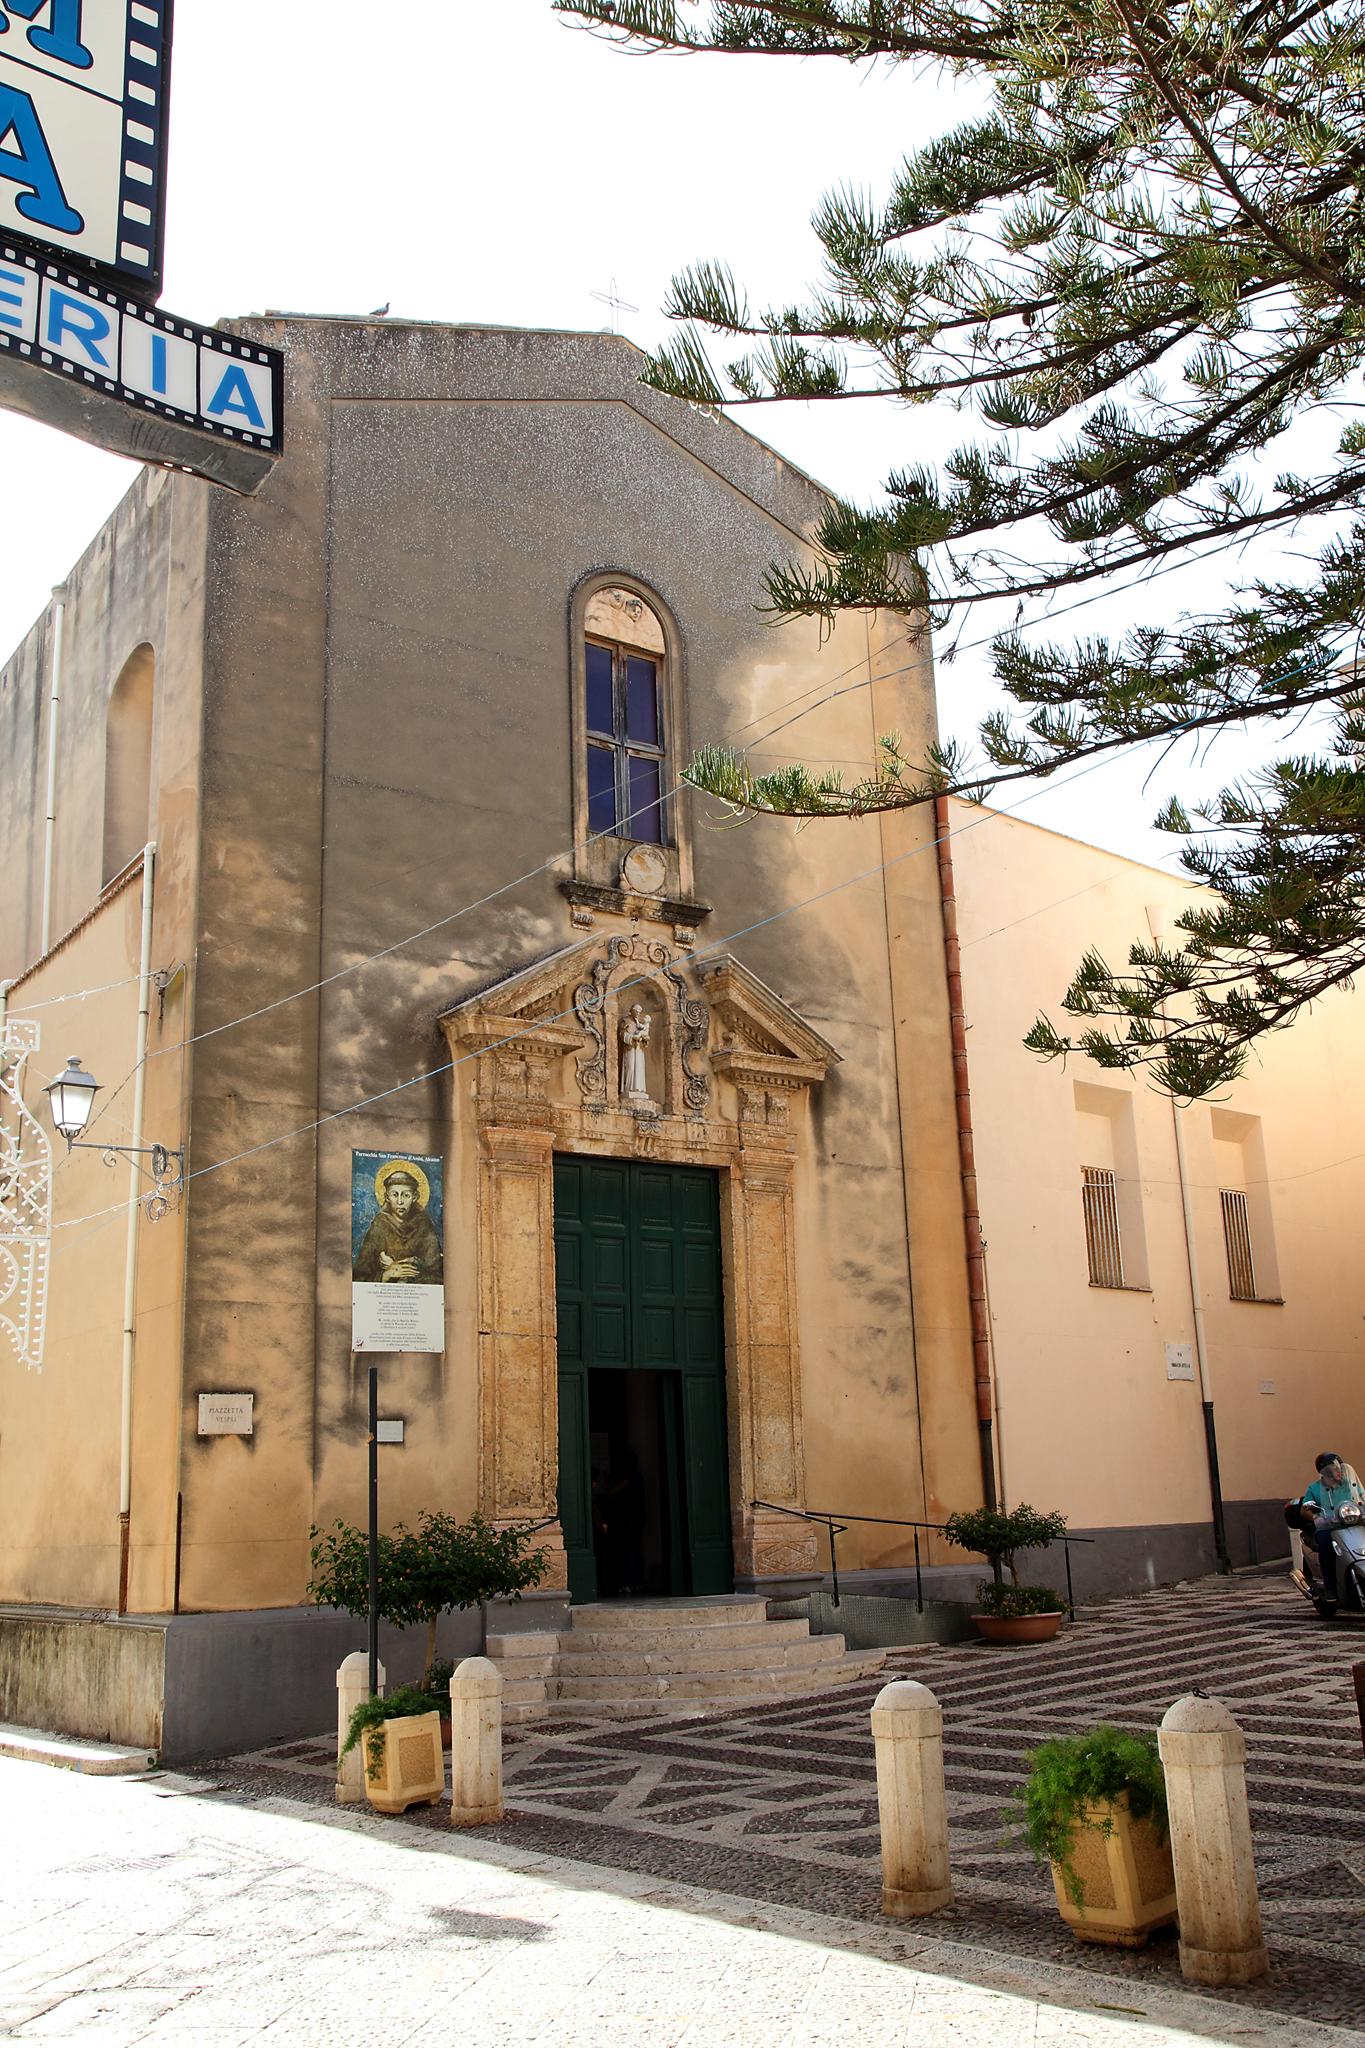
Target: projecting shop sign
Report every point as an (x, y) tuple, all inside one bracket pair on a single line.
[(133, 379), (82, 129)]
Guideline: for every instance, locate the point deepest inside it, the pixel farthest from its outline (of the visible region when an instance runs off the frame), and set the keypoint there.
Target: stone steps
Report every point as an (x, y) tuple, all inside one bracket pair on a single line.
[(626, 1662)]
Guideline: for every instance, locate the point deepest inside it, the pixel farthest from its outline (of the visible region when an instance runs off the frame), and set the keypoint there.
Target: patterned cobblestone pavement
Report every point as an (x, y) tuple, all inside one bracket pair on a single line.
[(778, 1802)]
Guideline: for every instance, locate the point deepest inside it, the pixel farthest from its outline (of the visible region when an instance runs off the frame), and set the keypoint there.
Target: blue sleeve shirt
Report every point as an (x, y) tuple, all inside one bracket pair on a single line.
[(1331, 1498)]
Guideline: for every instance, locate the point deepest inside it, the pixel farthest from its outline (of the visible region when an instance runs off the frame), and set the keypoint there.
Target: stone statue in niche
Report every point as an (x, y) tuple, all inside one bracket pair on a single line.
[(635, 1029)]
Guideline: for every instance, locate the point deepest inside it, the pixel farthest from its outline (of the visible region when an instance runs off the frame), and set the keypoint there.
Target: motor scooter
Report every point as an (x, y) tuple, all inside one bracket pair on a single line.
[(1347, 1531)]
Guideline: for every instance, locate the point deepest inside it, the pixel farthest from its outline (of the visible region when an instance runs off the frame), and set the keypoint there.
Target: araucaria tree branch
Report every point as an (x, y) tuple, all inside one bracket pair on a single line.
[(1137, 269)]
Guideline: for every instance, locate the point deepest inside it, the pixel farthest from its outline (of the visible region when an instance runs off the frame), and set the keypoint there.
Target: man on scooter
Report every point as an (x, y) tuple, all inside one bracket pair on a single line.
[(1331, 1491)]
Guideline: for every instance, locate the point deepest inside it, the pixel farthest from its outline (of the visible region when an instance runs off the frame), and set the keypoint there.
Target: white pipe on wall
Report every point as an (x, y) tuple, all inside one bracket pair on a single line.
[(144, 1014), (59, 597), (1201, 1346)]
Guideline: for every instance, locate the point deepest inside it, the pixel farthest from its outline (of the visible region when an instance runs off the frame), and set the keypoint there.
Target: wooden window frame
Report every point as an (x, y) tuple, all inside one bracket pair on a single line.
[(598, 858), (618, 742)]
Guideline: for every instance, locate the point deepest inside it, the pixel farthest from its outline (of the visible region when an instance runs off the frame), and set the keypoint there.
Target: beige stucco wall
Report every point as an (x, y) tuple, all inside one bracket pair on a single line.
[(363, 732), (140, 583), (387, 745), (1088, 1420)]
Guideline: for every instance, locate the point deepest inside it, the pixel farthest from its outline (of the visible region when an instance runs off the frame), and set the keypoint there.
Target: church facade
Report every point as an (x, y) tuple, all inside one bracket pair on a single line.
[(378, 775)]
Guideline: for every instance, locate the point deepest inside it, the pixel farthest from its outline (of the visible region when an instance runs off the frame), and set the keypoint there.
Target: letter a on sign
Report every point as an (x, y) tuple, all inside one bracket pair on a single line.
[(26, 159)]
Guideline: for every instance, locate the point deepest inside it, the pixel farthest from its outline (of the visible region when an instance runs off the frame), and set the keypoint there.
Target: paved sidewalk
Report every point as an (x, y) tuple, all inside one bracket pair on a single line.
[(162, 1910), (778, 1803)]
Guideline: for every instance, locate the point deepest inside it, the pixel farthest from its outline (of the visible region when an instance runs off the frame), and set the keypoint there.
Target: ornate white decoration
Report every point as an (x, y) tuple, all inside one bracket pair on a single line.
[(25, 1202), (635, 1026), (688, 1025)]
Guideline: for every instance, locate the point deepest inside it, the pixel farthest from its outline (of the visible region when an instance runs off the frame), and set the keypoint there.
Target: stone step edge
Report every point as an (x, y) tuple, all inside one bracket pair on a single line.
[(72, 1753), (538, 1642), (738, 1685), (610, 1615), (669, 1709)]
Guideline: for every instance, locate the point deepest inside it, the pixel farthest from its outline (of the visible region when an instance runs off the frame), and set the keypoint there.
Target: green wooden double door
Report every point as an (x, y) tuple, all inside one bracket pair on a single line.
[(643, 1490)]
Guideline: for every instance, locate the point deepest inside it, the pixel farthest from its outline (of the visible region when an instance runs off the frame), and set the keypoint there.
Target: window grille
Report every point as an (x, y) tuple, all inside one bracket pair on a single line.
[(626, 742), (1102, 1246), (1237, 1238)]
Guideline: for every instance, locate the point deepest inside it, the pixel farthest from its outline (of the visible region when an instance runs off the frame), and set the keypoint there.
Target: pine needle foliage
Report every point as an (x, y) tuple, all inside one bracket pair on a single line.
[(1137, 269)]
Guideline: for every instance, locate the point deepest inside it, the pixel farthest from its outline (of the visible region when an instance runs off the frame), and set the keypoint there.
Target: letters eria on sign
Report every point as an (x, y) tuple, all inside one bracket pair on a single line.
[(25, 156), (175, 366)]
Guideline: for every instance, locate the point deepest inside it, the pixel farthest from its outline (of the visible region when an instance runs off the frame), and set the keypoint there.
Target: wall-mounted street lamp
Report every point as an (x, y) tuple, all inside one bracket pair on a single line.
[(71, 1098)]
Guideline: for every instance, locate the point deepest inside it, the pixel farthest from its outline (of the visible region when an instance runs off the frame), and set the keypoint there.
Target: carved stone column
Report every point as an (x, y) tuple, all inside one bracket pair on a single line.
[(764, 1348), (518, 1364)]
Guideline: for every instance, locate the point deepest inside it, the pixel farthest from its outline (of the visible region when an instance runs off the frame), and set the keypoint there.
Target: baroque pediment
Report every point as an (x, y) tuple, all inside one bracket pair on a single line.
[(647, 1028)]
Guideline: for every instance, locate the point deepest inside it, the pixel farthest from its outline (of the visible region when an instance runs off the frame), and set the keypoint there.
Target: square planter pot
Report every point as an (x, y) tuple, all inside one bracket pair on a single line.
[(412, 1768), (1128, 1879)]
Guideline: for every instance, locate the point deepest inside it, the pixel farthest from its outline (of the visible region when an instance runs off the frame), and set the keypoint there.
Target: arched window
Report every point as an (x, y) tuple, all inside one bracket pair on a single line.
[(628, 719), (128, 762), (625, 717)]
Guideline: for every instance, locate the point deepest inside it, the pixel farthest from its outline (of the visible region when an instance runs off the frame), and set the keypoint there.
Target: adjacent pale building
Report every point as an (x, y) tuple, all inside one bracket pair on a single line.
[(1147, 1264)]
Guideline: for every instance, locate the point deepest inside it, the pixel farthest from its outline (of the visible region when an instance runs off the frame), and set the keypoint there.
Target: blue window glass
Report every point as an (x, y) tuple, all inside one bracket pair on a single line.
[(601, 713), (601, 789), (642, 701), (646, 814)]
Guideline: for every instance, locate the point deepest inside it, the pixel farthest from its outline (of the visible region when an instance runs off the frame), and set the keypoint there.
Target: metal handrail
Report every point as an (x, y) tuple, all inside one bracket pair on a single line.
[(837, 1525)]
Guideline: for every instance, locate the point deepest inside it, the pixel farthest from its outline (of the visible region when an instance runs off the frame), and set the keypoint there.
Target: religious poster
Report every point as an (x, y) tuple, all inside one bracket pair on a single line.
[(397, 1266)]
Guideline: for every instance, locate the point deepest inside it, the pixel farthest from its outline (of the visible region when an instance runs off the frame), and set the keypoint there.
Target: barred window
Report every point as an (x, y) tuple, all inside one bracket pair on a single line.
[(1103, 1247), (1237, 1239)]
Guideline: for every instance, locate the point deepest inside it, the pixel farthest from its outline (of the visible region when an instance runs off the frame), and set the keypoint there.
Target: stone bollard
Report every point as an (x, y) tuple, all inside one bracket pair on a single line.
[(1204, 1754), (475, 1743), (907, 1728), (353, 1686)]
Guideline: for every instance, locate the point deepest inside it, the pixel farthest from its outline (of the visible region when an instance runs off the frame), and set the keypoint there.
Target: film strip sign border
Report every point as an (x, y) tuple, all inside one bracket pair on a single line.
[(198, 376), (146, 91)]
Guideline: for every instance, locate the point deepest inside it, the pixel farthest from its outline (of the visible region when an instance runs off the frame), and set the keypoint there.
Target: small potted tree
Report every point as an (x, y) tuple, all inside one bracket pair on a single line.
[(1094, 1807), (424, 1573), (1011, 1613)]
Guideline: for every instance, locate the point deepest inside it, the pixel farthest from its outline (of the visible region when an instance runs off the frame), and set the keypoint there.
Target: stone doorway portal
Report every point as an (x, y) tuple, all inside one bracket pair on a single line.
[(544, 1084), (643, 1495)]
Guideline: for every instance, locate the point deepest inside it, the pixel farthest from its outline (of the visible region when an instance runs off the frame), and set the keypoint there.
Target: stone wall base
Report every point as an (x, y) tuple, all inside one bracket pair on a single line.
[(196, 1685)]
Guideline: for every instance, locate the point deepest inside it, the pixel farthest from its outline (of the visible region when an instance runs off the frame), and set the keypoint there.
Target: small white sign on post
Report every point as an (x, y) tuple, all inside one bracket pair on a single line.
[(1180, 1361), (226, 1414)]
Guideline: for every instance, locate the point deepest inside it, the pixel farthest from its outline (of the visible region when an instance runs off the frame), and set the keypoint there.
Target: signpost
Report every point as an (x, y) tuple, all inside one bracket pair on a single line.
[(83, 103)]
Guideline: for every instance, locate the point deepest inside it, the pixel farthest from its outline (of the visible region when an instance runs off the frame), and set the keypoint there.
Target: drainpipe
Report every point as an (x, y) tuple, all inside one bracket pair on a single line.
[(971, 1208), (59, 597), (1201, 1346), (125, 1448)]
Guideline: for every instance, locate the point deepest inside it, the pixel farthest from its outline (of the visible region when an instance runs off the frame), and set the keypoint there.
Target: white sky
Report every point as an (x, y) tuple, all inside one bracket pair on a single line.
[(461, 160)]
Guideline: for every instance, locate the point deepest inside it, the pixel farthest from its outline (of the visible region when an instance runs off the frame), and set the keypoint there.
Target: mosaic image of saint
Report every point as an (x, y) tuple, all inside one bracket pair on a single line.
[(401, 1243)]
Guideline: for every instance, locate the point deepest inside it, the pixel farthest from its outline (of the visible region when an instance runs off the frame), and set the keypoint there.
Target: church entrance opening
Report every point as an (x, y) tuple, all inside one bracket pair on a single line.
[(643, 1493)]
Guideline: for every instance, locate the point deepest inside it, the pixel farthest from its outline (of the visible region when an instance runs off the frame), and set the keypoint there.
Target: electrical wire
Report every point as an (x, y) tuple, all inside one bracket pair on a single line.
[(562, 1016)]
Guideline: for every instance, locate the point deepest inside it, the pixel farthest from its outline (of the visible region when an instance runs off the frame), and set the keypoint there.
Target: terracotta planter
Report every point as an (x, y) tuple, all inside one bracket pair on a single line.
[(1127, 1877), (1018, 1628), (412, 1769)]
